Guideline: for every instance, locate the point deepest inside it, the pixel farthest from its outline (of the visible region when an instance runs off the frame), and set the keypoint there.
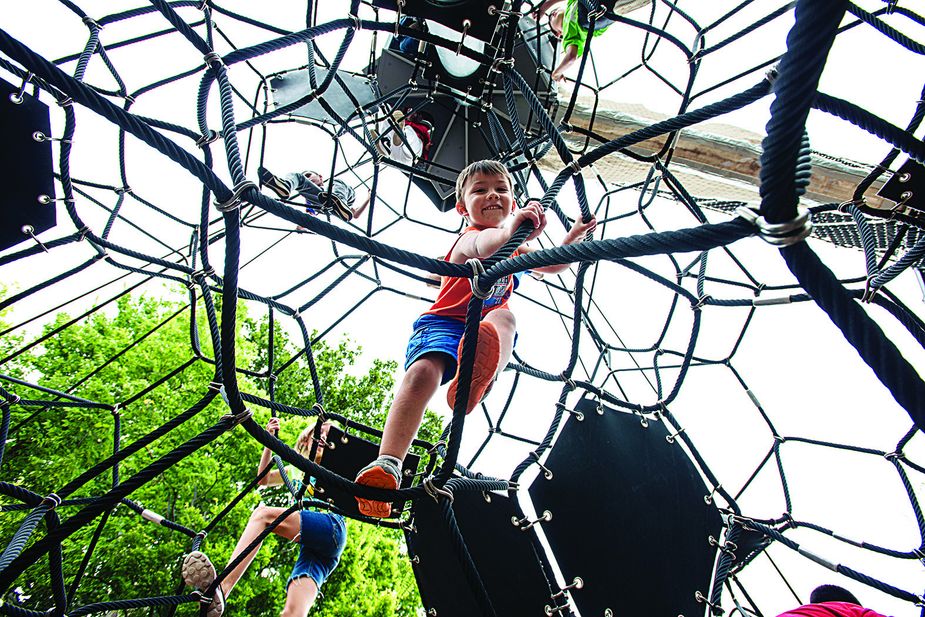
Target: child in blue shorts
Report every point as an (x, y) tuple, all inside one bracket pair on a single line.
[(484, 194), (321, 537)]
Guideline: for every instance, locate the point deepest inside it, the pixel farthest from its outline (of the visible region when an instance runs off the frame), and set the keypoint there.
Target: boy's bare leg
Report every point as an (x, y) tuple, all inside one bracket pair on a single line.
[(504, 322), (260, 519), (416, 389)]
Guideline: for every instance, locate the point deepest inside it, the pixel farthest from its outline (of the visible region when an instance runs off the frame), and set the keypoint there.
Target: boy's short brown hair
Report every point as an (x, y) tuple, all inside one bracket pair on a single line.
[(486, 166)]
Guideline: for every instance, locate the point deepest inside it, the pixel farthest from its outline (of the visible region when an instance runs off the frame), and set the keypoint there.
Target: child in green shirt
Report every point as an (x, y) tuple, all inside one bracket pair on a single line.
[(569, 22)]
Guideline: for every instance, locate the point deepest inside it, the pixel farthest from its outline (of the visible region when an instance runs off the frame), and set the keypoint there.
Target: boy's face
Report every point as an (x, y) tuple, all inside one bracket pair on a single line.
[(487, 200)]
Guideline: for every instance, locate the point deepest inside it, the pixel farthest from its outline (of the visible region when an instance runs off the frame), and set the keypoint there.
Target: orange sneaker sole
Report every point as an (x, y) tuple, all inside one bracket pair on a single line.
[(487, 358), (378, 478)]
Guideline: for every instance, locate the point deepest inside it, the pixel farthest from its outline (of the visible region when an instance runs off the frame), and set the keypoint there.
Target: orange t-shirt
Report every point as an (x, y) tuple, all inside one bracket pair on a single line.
[(455, 293)]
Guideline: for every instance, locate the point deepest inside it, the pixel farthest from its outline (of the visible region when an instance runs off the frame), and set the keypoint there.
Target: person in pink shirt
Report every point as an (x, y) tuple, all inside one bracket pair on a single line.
[(831, 601)]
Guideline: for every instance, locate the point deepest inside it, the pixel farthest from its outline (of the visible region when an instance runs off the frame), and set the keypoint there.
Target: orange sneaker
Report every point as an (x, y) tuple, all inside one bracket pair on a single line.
[(381, 473), (487, 359)]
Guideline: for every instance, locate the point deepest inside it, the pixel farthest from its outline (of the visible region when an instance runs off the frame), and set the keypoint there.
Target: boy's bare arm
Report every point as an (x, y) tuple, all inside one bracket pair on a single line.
[(484, 243), (577, 233)]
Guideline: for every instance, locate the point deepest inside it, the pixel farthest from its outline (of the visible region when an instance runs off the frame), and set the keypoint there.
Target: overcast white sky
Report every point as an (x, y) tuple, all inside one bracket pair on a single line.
[(808, 379)]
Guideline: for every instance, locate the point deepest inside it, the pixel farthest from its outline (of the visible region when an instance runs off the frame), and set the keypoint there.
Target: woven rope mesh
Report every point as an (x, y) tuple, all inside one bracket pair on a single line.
[(161, 114)]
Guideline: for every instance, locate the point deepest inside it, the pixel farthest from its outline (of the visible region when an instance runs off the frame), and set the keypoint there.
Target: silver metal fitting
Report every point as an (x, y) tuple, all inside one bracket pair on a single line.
[(478, 269), (780, 234), (234, 202)]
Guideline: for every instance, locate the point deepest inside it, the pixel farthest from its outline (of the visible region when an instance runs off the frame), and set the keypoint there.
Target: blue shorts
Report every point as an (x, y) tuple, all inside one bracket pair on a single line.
[(322, 539), (433, 333)]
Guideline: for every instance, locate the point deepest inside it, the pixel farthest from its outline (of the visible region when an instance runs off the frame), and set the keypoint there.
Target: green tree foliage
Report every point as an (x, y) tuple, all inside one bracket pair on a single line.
[(115, 358)]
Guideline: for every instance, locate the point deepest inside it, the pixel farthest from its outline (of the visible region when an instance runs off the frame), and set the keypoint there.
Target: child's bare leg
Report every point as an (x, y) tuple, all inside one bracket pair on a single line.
[(504, 322), (416, 389), (300, 597), (260, 519)]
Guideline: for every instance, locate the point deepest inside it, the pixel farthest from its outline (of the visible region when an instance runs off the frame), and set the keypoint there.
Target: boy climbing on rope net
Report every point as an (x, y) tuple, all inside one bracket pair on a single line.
[(321, 537), (484, 194)]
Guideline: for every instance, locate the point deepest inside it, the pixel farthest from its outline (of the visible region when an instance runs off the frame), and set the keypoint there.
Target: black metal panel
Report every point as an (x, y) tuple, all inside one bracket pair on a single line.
[(503, 555), (906, 186), (452, 13), (461, 127), (346, 457), (628, 517), (25, 168), (292, 86)]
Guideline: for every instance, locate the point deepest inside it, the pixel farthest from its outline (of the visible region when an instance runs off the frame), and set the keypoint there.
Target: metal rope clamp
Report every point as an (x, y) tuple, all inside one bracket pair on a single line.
[(212, 58), (238, 418), (436, 492), (499, 62), (478, 269), (10, 401), (780, 234), (600, 12), (205, 140), (870, 290), (234, 202)]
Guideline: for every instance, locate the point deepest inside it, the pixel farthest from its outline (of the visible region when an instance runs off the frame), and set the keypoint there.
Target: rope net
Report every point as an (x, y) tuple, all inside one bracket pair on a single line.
[(679, 312)]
